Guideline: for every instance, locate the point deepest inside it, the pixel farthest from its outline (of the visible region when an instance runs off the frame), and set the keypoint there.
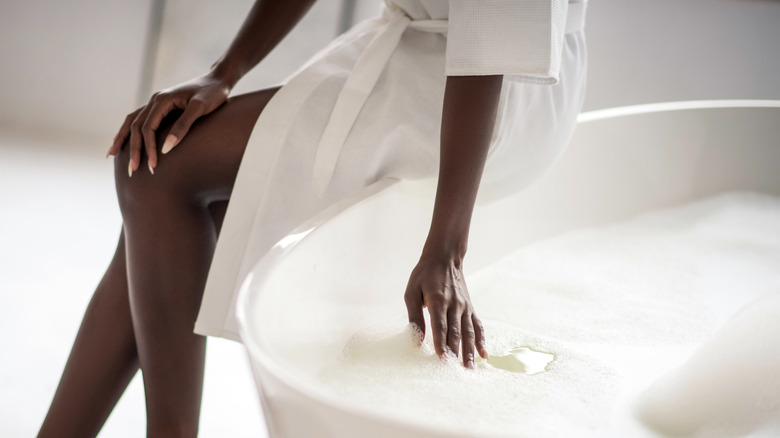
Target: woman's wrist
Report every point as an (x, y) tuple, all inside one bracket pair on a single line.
[(226, 73), (444, 250)]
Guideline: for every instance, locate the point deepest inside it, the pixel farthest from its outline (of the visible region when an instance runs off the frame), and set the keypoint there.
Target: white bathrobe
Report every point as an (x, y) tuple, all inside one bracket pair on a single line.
[(368, 106)]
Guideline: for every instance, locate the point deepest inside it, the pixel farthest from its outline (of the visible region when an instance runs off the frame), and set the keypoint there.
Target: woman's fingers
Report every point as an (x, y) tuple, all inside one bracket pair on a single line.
[(160, 109), (121, 136), (136, 140), (479, 336), (194, 110), (443, 291), (439, 328), (414, 308), (469, 339), (142, 127), (453, 329)]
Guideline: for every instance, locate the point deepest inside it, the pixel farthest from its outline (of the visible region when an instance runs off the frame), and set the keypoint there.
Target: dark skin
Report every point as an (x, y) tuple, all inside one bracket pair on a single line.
[(192, 137), (469, 112)]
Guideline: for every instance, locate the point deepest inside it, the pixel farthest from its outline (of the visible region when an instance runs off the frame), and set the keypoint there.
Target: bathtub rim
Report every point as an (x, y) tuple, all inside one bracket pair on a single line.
[(258, 276)]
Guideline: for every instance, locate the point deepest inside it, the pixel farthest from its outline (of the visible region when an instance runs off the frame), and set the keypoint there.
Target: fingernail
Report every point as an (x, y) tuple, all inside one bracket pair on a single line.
[(108, 154), (150, 168), (170, 140), (470, 364), (130, 169), (484, 353)]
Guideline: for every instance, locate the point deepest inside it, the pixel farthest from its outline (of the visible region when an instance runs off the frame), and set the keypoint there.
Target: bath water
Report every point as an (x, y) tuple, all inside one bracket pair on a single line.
[(581, 326), (520, 360)]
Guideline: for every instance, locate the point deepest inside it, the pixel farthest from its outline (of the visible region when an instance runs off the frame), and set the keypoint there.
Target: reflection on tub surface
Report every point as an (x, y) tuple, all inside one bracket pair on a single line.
[(617, 306)]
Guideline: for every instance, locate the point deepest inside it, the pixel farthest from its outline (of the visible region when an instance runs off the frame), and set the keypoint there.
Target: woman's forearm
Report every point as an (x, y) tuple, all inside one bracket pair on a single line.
[(468, 116), (267, 23), (437, 282)]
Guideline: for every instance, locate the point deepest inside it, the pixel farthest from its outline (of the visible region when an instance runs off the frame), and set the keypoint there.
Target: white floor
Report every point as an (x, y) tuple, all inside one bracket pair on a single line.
[(59, 224)]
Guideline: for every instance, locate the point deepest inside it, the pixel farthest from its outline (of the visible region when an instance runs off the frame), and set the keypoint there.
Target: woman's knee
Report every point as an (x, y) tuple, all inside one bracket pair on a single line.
[(143, 189), (202, 167)]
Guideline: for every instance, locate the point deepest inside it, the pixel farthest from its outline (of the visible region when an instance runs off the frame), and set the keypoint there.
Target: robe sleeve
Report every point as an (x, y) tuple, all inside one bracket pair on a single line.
[(521, 39)]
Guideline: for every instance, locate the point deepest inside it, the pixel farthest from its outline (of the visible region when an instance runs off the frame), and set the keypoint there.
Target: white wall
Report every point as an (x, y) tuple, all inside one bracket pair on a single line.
[(71, 65), (644, 51), (75, 67)]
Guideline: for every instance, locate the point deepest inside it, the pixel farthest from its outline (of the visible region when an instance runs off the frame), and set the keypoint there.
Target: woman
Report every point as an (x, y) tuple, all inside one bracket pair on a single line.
[(459, 87)]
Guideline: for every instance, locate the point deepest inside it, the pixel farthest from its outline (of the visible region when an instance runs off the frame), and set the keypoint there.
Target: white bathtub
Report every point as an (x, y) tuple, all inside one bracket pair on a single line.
[(349, 266)]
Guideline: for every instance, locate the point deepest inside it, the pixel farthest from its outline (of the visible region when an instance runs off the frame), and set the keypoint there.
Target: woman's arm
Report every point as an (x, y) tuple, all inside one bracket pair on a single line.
[(267, 23), (468, 116)]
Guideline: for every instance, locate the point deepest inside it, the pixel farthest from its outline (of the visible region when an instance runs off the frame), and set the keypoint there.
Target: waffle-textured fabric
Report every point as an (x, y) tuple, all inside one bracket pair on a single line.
[(368, 106), (521, 39)]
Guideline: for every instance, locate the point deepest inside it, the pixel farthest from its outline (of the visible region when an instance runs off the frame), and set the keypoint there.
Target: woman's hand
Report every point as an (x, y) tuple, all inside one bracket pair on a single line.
[(197, 97), (438, 284), (468, 116)]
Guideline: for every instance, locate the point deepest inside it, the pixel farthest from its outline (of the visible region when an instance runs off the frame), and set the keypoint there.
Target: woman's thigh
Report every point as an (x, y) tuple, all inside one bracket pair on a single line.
[(203, 166)]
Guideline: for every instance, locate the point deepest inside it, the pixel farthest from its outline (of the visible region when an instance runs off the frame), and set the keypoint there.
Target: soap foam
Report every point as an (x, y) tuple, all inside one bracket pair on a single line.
[(607, 302), (383, 366)]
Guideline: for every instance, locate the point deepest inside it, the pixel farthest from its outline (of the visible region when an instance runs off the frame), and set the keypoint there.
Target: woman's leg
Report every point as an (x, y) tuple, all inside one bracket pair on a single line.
[(103, 359), (101, 362), (170, 224), (169, 239)]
